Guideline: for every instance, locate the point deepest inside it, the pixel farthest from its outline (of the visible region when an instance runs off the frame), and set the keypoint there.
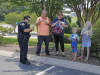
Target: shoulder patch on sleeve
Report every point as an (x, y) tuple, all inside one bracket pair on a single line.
[(22, 24)]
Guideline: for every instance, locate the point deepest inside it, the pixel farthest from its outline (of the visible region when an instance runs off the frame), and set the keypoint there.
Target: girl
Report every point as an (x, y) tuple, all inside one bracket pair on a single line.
[(86, 40)]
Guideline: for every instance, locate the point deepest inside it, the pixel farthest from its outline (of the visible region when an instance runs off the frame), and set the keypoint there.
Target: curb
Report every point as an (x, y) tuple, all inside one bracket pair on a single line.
[(56, 62)]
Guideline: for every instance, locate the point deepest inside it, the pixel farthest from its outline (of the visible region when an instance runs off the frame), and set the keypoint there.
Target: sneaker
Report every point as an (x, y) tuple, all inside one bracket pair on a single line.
[(37, 54), (47, 54), (26, 63)]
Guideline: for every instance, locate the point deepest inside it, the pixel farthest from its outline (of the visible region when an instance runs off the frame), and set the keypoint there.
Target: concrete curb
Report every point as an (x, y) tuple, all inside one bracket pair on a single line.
[(56, 62)]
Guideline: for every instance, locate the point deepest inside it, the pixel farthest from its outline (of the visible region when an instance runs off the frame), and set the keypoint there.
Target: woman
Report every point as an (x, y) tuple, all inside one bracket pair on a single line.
[(59, 38)]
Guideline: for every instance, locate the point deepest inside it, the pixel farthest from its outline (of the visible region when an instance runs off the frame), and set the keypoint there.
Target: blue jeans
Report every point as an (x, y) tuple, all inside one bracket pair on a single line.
[(40, 40)]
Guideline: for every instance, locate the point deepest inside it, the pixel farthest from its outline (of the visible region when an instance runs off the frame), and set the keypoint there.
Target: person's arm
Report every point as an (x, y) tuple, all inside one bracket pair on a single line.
[(29, 29), (83, 32), (49, 22), (65, 25), (77, 37), (54, 22), (38, 21)]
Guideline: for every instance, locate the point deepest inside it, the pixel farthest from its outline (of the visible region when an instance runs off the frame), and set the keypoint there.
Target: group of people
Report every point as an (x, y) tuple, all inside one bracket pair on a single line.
[(43, 24)]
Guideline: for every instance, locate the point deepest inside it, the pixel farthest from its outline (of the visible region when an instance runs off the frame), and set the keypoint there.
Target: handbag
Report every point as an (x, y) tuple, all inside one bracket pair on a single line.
[(56, 30)]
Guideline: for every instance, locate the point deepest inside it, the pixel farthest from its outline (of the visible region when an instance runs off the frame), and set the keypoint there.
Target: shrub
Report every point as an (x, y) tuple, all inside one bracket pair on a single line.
[(3, 31), (95, 48), (69, 29), (65, 38)]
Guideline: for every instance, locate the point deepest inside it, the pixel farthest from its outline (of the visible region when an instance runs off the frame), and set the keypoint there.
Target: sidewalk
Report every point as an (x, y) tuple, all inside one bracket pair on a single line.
[(33, 35), (56, 62)]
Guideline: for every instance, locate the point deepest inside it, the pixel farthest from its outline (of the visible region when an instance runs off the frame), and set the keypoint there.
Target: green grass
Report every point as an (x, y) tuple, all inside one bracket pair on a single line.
[(2, 22), (74, 19), (33, 42)]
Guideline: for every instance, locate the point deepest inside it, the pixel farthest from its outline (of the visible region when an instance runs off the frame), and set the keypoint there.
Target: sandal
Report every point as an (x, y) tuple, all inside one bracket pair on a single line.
[(79, 57), (63, 55), (56, 54), (86, 60), (73, 59)]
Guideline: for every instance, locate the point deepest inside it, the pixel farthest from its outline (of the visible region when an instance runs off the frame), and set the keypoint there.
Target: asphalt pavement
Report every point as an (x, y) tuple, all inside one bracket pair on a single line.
[(10, 65)]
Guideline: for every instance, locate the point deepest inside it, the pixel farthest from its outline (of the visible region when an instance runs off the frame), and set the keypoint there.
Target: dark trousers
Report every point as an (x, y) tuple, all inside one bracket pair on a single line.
[(57, 40), (40, 40), (23, 51)]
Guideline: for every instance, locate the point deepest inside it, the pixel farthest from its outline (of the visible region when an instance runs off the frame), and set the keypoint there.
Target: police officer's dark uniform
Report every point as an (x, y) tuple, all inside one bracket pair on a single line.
[(23, 38)]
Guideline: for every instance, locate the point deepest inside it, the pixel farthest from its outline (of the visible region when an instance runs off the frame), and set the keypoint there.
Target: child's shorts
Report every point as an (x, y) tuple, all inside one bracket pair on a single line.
[(74, 48)]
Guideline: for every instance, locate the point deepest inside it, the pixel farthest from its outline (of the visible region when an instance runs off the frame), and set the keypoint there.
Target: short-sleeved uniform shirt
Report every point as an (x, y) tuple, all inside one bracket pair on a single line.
[(62, 20), (21, 27), (74, 42)]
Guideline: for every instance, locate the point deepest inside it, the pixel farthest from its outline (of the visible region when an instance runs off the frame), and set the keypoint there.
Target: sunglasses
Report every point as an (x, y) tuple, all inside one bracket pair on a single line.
[(28, 20)]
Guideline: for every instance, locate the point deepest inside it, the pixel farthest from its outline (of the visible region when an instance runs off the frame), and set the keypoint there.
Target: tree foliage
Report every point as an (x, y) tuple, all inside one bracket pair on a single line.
[(52, 6), (12, 18), (3, 31), (89, 8)]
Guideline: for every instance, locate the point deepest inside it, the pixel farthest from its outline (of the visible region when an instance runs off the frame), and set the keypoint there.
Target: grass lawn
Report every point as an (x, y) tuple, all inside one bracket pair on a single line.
[(2, 22), (73, 20), (33, 42)]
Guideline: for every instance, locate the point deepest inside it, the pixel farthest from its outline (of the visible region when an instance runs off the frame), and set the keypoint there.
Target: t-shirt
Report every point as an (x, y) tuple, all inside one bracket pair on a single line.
[(43, 29), (73, 39), (62, 21)]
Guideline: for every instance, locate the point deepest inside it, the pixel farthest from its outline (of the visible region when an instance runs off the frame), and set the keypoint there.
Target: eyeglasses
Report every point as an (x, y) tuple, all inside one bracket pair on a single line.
[(28, 20)]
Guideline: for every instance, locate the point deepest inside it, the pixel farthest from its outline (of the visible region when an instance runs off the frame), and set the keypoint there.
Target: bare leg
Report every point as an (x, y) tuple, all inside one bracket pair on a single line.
[(82, 51), (75, 55), (88, 52), (62, 53), (57, 52)]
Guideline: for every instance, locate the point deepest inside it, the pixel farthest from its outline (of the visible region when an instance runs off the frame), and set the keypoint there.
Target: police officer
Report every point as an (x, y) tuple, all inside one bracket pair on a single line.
[(23, 37)]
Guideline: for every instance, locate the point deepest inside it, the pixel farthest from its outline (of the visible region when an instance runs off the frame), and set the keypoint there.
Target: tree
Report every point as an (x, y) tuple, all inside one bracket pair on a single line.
[(78, 23), (12, 18), (52, 6), (89, 8), (3, 31)]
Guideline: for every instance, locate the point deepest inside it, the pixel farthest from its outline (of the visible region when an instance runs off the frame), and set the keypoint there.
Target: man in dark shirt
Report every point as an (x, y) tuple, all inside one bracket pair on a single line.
[(23, 37)]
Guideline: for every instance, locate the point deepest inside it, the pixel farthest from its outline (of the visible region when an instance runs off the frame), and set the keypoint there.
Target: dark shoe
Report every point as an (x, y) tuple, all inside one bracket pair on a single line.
[(47, 54), (26, 63), (56, 54), (63, 55), (37, 54)]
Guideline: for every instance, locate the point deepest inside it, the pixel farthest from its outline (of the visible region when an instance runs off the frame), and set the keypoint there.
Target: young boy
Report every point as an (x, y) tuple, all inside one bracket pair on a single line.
[(74, 38)]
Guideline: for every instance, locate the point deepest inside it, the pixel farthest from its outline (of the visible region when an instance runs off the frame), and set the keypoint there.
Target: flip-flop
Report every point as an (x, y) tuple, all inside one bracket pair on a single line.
[(73, 59), (56, 54), (86, 60), (79, 57)]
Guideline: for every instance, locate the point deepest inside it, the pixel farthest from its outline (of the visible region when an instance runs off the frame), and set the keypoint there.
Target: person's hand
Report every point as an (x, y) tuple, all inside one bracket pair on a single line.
[(58, 21), (41, 20), (32, 28), (46, 22), (68, 38)]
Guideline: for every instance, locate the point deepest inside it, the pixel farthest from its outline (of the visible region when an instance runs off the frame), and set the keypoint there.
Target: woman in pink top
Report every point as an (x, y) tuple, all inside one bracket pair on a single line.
[(43, 24)]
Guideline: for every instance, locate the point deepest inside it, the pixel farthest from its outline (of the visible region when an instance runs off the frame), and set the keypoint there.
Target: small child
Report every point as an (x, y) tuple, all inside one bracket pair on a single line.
[(86, 40), (74, 38)]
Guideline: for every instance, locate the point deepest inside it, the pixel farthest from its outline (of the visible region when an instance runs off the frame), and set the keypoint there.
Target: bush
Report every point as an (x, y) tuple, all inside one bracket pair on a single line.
[(95, 48), (69, 29), (68, 18), (65, 38), (3, 31)]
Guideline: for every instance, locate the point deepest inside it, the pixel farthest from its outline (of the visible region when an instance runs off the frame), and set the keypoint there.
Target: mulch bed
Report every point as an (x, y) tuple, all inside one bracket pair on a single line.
[(32, 50)]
